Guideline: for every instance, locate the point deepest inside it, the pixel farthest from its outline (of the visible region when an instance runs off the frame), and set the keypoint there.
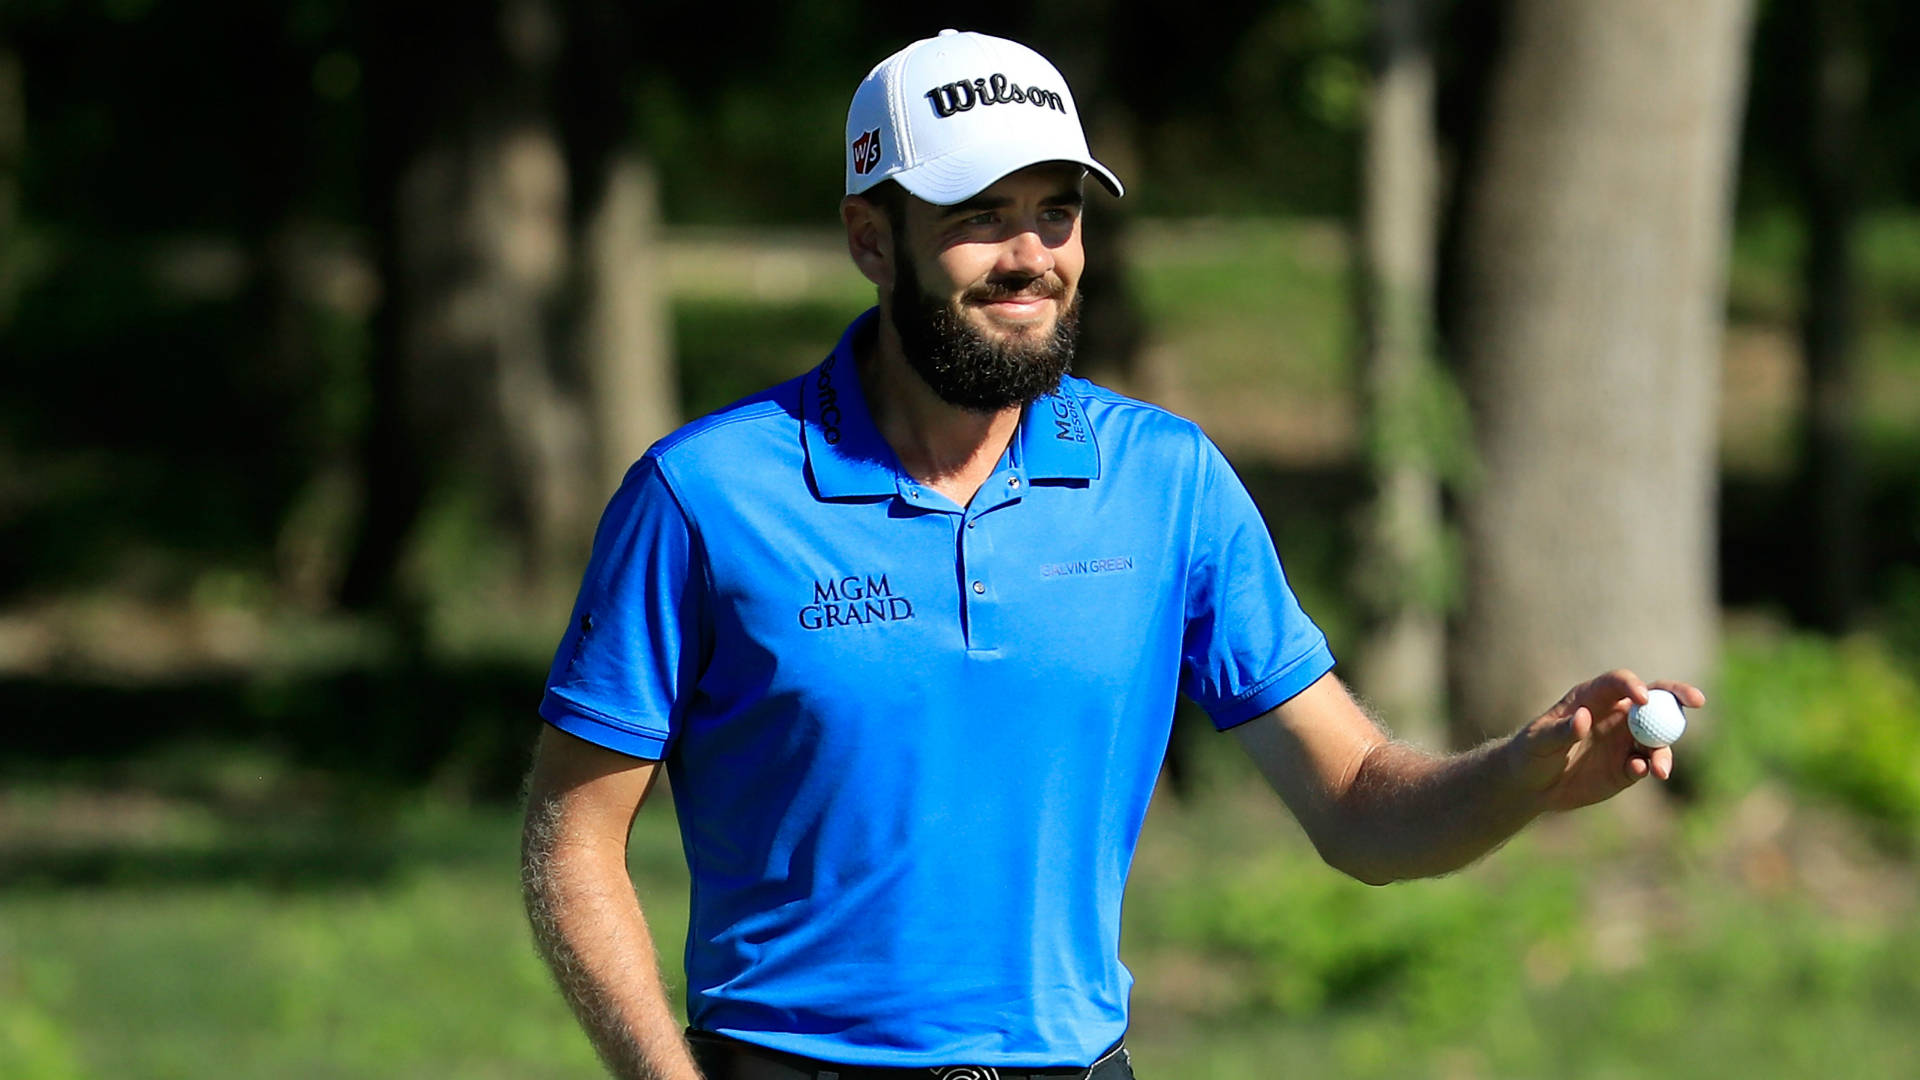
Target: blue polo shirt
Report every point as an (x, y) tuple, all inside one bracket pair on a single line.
[(911, 744)]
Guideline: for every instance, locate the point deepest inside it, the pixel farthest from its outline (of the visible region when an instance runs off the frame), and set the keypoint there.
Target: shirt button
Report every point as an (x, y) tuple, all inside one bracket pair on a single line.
[(979, 587), (971, 524), (1013, 481)]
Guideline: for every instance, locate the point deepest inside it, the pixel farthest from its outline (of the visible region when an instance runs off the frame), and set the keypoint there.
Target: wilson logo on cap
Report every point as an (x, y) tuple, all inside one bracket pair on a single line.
[(963, 95), (866, 152)]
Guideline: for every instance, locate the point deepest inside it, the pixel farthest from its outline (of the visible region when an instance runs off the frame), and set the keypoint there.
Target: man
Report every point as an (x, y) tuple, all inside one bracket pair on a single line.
[(907, 633)]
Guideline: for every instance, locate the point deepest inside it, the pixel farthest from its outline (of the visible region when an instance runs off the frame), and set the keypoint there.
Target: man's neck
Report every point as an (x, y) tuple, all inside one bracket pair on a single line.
[(947, 448)]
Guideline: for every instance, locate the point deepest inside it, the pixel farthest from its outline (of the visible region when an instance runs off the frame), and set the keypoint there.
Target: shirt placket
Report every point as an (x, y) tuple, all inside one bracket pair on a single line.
[(985, 579)]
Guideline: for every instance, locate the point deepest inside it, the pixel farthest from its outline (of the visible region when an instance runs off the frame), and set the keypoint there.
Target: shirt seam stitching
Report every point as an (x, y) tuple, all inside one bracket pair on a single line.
[(1285, 670), (711, 423), (590, 713), (1193, 528), (699, 541)]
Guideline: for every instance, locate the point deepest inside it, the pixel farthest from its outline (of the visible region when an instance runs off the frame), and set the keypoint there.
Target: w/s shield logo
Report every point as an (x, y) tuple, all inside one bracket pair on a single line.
[(866, 152)]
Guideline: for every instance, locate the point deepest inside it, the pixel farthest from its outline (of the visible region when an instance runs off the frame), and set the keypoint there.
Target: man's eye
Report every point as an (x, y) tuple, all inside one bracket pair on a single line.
[(980, 219)]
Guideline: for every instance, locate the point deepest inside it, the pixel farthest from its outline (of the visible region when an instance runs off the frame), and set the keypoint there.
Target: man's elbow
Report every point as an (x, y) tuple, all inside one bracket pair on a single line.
[(1374, 867), (1361, 859), (1366, 871), (1352, 837), (1376, 877)]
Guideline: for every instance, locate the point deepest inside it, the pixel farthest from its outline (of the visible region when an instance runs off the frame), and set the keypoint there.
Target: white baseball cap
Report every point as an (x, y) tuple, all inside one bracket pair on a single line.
[(947, 116)]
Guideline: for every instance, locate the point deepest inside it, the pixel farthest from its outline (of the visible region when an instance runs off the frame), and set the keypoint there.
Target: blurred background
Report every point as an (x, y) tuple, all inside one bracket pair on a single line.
[(1551, 336)]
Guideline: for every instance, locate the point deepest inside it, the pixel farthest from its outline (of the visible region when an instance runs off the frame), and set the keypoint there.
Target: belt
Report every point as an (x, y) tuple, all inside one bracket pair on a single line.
[(721, 1057)]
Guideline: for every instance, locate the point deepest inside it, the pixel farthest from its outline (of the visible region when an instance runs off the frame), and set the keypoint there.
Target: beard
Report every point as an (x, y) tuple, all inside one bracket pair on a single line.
[(969, 370)]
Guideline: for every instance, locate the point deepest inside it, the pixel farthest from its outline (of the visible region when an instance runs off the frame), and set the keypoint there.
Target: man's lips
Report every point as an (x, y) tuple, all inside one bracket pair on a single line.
[(1020, 305)]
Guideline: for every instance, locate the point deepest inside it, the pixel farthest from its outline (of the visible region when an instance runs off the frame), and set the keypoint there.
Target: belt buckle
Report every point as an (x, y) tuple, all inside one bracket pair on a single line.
[(965, 1072)]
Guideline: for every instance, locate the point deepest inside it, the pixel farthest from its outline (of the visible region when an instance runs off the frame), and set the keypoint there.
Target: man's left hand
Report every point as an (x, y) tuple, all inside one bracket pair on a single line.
[(1580, 752)]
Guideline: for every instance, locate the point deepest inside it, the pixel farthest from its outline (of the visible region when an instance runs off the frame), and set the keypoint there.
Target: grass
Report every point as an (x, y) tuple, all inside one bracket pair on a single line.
[(197, 948), (1624, 942), (1249, 302)]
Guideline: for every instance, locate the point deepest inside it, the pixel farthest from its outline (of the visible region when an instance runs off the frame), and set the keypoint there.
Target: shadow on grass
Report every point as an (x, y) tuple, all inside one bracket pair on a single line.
[(464, 729), (318, 862)]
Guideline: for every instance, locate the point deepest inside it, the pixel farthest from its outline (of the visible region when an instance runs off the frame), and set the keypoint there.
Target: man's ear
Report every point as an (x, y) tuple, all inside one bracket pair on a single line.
[(869, 239)]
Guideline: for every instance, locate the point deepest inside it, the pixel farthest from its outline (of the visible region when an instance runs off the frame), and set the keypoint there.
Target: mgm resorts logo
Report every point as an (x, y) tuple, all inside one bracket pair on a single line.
[(1067, 424), (992, 90), (854, 600)]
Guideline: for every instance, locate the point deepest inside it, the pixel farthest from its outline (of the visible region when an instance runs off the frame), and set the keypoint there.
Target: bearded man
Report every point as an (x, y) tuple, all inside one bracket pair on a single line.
[(907, 633)]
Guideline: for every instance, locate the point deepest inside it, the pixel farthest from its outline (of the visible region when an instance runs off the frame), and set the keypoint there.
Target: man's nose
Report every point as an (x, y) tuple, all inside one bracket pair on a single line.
[(1026, 254)]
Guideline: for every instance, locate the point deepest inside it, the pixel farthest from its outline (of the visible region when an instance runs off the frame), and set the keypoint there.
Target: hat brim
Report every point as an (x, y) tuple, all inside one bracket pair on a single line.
[(958, 176)]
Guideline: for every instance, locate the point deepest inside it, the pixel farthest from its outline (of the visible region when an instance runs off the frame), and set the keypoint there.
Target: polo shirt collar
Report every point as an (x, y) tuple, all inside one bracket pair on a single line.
[(846, 455), (848, 458), (1056, 441)]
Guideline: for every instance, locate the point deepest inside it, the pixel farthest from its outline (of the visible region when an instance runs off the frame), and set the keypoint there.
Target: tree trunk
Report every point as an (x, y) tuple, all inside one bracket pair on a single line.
[(627, 350), (1406, 575), (1830, 470), (470, 383), (623, 333), (1591, 309), (539, 415)]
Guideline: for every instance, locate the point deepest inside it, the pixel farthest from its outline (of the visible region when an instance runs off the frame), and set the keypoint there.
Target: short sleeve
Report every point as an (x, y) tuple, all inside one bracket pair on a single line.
[(1248, 645), (635, 647)]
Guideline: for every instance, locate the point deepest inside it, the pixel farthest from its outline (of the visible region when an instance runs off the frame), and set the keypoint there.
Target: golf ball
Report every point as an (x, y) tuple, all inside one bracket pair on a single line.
[(1659, 722)]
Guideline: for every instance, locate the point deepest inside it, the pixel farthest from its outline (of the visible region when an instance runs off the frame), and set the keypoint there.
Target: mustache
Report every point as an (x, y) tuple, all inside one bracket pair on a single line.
[(1035, 288)]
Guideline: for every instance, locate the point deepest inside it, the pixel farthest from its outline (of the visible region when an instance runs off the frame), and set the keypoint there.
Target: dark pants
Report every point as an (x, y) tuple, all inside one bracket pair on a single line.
[(723, 1058)]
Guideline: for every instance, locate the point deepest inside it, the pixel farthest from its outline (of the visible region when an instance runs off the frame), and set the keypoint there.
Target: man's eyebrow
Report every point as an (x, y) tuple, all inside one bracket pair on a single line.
[(979, 203)]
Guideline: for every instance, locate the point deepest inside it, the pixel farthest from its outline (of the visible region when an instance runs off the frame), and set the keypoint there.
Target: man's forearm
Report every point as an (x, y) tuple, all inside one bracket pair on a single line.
[(1382, 811), (589, 927), (1411, 814)]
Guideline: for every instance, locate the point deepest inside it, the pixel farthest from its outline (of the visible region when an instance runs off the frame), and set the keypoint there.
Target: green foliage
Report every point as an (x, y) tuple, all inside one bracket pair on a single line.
[(1576, 955), (1428, 425), (1423, 423), (1432, 954), (1756, 990), (731, 348), (1900, 618), (1839, 720), (34, 1045), (1253, 306), (1889, 252), (1763, 272)]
